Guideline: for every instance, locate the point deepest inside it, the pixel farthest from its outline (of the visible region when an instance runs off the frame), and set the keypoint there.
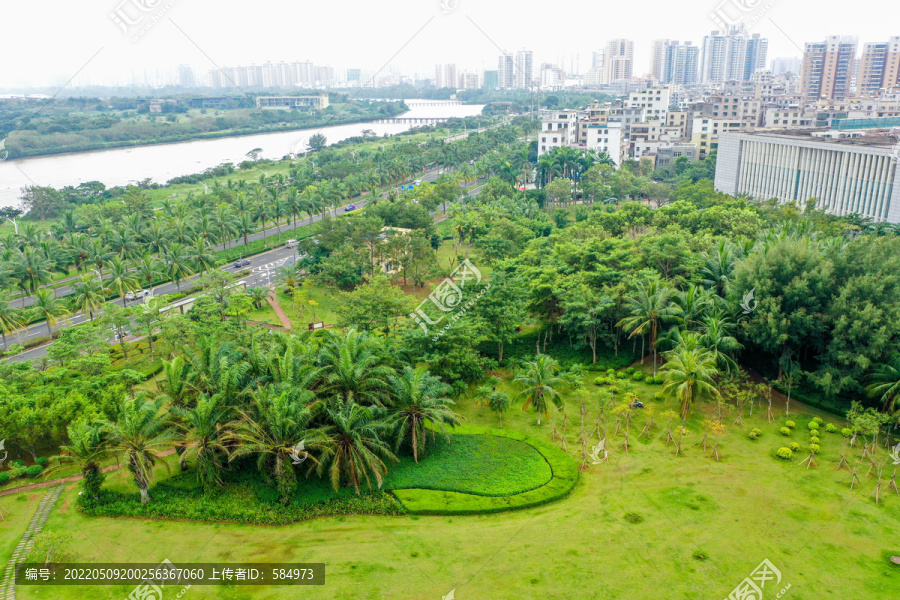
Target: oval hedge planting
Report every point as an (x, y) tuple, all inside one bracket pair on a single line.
[(446, 502)]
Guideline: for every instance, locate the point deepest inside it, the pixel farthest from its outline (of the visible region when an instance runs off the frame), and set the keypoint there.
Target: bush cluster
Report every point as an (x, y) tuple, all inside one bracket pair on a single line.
[(785, 431), (754, 433), (784, 453)]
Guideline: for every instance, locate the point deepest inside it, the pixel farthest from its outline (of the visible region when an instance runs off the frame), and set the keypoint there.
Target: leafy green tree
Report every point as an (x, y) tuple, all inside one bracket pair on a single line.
[(317, 142), (501, 310), (541, 385), (885, 384), (372, 306)]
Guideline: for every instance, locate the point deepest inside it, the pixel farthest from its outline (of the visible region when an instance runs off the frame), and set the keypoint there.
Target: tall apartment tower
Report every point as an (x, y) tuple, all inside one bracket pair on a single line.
[(619, 60), (524, 73), (879, 67), (658, 57), (506, 72), (732, 56), (445, 76), (827, 69), (681, 64)]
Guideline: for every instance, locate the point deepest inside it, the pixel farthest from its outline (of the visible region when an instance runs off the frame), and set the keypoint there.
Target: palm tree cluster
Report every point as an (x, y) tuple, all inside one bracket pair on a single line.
[(330, 405)]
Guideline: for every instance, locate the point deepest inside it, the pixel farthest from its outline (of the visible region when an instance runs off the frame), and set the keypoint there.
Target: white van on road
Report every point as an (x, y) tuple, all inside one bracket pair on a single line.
[(291, 244)]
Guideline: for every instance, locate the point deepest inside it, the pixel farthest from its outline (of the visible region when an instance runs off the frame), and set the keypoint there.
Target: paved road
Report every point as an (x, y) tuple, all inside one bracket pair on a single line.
[(262, 268)]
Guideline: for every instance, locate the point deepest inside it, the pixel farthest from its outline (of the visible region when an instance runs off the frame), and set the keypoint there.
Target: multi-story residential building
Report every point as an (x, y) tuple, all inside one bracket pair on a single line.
[(705, 132), (469, 81), (559, 128), (879, 67), (780, 66), (445, 76), (827, 70), (720, 106), (524, 74), (774, 117), (491, 80), (680, 64), (732, 56), (666, 155), (654, 102), (619, 60), (658, 57), (506, 72), (844, 175)]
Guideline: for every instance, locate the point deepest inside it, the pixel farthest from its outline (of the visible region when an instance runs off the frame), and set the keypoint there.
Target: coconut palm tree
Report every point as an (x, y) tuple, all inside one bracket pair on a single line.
[(273, 430), (354, 449), (138, 435), (885, 384), (87, 447), (352, 365), (149, 268), (417, 397), (689, 375), (49, 307), (201, 433), (88, 295), (178, 264), (121, 279), (258, 296), (204, 257), (498, 402), (11, 318), (541, 384), (650, 309)]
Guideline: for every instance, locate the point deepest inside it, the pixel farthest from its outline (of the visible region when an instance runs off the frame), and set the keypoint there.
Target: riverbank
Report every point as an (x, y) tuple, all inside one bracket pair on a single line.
[(176, 137)]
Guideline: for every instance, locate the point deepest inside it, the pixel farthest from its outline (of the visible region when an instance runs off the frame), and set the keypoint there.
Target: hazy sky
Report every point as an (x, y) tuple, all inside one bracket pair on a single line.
[(48, 41)]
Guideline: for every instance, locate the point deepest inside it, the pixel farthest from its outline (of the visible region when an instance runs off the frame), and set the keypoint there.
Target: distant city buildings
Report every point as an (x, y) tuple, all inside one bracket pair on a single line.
[(293, 102), (828, 68), (619, 60), (732, 56)]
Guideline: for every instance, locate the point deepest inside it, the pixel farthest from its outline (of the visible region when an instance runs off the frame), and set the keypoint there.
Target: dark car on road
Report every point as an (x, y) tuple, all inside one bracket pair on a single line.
[(241, 263)]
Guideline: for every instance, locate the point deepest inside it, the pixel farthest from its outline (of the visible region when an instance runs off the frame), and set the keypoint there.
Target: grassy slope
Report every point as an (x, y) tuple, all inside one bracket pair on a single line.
[(21, 508), (828, 542)]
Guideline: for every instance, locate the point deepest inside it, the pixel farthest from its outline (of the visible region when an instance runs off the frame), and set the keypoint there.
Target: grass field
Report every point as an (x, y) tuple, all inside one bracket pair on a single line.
[(648, 524), (17, 512)]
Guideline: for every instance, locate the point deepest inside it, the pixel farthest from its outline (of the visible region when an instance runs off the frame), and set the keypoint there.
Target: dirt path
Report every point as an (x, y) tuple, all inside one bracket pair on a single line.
[(273, 300), (71, 478)]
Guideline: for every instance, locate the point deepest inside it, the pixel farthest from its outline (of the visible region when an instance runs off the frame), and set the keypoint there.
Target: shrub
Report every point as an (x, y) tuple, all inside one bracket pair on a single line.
[(633, 517), (784, 453), (754, 433), (814, 448), (785, 431), (846, 432), (629, 370), (4, 477), (831, 428), (814, 433), (600, 381), (818, 420), (658, 395), (637, 376), (18, 463), (611, 372), (621, 375), (813, 440), (795, 447), (34, 470), (812, 425), (790, 424), (42, 460)]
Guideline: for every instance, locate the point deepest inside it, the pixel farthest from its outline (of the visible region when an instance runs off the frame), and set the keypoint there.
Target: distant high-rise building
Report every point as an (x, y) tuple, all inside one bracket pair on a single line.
[(658, 57), (598, 59), (780, 66), (619, 60), (506, 72), (524, 73), (879, 66), (186, 76), (681, 64), (491, 80), (827, 69), (732, 56), (445, 76)]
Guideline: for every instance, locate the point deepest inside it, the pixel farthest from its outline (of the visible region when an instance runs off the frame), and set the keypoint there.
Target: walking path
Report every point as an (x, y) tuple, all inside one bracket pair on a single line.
[(273, 300), (8, 585)]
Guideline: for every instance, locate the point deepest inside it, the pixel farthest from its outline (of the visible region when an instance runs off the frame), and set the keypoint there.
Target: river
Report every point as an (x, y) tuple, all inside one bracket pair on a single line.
[(162, 162)]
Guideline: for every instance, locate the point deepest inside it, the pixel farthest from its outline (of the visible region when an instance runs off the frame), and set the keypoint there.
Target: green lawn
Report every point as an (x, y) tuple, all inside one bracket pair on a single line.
[(17, 511), (649, 524)]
